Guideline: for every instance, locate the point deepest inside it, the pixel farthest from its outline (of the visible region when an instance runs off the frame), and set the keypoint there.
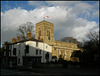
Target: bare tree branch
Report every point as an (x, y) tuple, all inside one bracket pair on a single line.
[(24, 28), (94, 37)]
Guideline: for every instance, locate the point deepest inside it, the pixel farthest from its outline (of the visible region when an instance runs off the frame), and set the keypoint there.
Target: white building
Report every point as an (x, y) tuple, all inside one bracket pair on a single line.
[(29, 51)]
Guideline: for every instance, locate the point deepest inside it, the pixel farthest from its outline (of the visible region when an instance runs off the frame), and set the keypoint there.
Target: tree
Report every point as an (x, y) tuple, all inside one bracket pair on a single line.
[(93, 37), (71, 40), (91, 49), (76, 54), (24, 28), (93, 43)]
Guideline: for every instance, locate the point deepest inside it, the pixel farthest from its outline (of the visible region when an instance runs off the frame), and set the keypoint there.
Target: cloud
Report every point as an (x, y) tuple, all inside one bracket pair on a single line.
[(65, 19), (1, 13), (80, 32), (96, 14), (38, 4), (62, 3)]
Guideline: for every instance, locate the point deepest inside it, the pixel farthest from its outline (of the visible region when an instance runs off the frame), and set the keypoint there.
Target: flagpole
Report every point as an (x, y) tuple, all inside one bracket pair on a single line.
[(44, 18)]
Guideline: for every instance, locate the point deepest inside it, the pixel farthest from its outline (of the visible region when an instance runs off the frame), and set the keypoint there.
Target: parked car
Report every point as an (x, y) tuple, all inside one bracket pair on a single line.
[(54, 59)]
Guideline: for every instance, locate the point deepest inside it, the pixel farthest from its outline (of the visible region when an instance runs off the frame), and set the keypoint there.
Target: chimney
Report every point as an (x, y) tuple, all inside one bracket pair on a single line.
[(28, 35), (18, 38), (13, 40), (41, 39), (3, 45)]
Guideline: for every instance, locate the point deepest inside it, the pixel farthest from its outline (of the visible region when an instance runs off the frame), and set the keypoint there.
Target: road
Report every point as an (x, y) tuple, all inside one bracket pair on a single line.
[(52, 71), (68, 71), (17, 72)]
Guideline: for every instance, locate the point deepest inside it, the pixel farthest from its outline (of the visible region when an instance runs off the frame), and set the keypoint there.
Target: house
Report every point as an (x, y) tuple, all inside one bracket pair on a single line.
[(24, 52)]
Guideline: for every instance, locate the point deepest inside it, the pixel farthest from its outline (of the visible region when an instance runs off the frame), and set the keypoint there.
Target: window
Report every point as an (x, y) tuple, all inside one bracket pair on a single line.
[(54, 51), (40, 52), (36, 52), (36, 44), (26, 48), (48, 34), (39, 33), (5, 47), (10, 53), (18, 60), (19, 52), (9, 47), (19, 45), (5, 60), (46, 46), (14, 51), (4, 53), (47, 55), (39, 37)]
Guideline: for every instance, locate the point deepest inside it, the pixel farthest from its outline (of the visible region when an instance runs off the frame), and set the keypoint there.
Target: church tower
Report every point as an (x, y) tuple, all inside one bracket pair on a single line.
[(45, 31)]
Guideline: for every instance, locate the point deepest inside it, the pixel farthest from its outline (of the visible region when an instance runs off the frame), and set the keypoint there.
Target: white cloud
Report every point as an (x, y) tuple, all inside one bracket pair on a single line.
[(1, 13), (80, 32), (65, 20)]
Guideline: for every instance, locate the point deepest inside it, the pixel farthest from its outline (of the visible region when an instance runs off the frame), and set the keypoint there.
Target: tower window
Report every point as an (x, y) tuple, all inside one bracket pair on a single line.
[(39, 33), (48, 34)]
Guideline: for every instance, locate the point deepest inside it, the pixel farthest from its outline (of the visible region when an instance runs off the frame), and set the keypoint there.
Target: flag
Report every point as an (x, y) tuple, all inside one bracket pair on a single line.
[(47, 16)]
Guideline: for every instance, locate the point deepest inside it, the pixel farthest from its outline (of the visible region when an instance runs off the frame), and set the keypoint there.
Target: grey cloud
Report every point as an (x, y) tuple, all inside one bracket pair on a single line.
[(8, 35), (66, 23)]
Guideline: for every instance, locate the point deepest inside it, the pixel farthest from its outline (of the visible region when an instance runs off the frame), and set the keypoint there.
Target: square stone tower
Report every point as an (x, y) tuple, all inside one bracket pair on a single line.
[(45, 31)]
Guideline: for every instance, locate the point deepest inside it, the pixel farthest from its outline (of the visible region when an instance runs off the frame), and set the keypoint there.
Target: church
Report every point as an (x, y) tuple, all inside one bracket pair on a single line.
[(41, 49), (45, 31)]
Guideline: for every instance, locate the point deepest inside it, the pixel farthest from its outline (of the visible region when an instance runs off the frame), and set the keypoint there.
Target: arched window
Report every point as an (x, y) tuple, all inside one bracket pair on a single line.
[(48, 34), (39, 34)]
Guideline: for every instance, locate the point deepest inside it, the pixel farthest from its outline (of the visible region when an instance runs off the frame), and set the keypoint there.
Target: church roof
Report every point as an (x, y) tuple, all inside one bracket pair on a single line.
[(44, 21)]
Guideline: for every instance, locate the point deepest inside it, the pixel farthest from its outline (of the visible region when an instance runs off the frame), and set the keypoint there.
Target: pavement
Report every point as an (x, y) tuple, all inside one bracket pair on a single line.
[(51, 71)]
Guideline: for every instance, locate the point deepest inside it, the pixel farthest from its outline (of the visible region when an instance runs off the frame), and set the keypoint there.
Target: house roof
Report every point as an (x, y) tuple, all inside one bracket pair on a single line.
[(31, 39)]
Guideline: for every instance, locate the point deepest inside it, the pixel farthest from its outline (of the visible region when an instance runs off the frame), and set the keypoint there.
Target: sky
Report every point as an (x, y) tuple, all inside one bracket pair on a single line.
[(70, 18)]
